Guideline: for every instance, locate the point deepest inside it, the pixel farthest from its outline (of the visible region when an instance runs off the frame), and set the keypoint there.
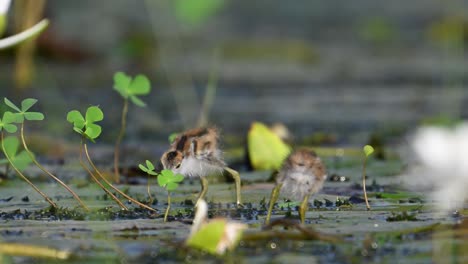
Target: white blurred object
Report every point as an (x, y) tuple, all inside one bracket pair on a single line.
[(4, 6), (443, 154)]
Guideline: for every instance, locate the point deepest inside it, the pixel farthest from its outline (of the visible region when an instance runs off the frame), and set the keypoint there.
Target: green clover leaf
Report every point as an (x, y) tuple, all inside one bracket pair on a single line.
[(148, 169), (23, 113), (6, 122), (20, 160), (86, 125), (130, 88), (168, 180)]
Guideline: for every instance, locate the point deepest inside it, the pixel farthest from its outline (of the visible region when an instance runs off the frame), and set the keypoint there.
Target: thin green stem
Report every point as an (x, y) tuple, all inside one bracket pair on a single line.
[(47, 172), (168, 206), (364, 183), (110, 184), (123, 125), (97, 181), (47, 198)]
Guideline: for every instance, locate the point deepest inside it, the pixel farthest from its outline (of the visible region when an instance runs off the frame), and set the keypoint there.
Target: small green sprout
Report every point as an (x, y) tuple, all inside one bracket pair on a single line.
[(368, 150), (149, 169), (170, 182), (86, 125), (128, 88), (20, 116)]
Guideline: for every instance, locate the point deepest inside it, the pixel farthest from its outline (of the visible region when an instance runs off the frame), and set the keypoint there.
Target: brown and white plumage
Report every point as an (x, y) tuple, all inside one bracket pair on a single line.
[(196, 153), (301, 175)]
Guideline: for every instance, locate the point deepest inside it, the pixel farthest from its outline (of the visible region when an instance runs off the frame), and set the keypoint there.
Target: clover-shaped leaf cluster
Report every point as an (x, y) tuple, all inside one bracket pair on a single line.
[(20, 160), (86, 125), (6, 122), (168, 180), (22, 113), (129, 87), (148, 169)]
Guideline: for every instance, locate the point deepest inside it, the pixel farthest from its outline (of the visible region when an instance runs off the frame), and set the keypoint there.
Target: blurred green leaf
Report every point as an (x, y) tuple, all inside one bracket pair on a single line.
[(6, 122), (3, 23), (130, 88), (149, 169), (150, 165), (140, 85), (20, 160), (137, 101), (209, 236), (168, 180), (196, 12), (266, 150), (34, 116), (26, 104), (368, 150), (121, 83)]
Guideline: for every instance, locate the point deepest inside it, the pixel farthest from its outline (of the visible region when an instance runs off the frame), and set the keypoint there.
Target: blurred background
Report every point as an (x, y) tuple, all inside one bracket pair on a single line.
[(333, 72)]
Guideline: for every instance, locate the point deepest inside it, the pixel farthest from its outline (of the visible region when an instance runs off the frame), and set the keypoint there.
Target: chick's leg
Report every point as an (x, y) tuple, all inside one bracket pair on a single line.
[(237, 180), (273, 197), (303, 208), (204, 189)]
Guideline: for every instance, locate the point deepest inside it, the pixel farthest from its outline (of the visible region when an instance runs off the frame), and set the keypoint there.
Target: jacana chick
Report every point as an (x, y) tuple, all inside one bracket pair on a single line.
[(301, 175), (196, 153)]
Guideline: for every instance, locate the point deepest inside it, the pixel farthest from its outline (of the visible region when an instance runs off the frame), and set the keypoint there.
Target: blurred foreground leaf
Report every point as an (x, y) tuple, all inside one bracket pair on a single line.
[(266, 150)]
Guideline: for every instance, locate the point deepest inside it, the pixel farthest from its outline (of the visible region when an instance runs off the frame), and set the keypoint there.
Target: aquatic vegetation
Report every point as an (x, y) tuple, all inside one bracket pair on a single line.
[(266, 150), (7, 124), (20, 159), (128, 88), (443, 168), (170, 182), (368, 150), (402, 216), (215, 236), (86, 127), (23, 114), (149, 169)]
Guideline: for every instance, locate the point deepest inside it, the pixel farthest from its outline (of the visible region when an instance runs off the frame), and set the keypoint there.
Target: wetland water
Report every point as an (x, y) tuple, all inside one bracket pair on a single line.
[(402, 226)]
